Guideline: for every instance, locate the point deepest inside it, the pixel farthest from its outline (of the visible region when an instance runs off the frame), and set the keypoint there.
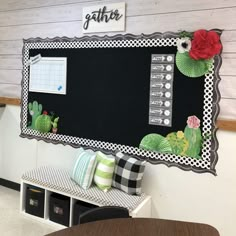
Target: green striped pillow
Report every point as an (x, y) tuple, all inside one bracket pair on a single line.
[(104, 171), (84, 168)]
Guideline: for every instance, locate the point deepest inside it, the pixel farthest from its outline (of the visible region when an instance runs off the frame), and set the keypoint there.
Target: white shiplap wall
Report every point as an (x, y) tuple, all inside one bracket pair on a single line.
[(33, 18)]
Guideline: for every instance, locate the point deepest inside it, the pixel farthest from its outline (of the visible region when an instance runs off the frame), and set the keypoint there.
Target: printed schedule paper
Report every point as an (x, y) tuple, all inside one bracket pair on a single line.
[(48, 75)]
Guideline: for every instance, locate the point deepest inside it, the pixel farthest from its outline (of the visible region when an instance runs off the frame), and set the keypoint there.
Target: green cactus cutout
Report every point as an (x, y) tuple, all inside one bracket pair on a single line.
[(54, 125), (43, 123), (194, 137), (155, 142), (35, 110), (179, 144), (55, 122)]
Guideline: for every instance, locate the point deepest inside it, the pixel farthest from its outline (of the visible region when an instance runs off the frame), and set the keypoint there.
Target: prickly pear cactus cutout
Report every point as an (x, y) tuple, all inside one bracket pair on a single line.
[(193, 134), (179, 144), (155, 142), (35, 110), (43, 123)]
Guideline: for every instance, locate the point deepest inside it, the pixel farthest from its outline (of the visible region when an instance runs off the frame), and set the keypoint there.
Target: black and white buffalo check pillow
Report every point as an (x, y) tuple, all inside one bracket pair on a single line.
[(128, 174)]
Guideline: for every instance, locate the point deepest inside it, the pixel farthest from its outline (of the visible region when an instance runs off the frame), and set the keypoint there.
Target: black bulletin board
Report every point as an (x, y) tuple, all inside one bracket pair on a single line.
[(108, 94), (106, 105)]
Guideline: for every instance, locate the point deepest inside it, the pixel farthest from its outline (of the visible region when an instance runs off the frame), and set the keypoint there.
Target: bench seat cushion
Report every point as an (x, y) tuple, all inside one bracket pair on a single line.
[(59, 180)]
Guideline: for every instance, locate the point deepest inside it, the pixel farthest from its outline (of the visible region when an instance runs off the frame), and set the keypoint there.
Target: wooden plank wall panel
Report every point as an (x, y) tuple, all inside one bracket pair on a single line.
[(135, 24), (230, 47), (67, 12), (10, 76), (10, 62), (26, 19), (228, 109), (14, 47), (11, 47), (11, 5), (10, 90), (228, 64), (227, 86), (135, 7)]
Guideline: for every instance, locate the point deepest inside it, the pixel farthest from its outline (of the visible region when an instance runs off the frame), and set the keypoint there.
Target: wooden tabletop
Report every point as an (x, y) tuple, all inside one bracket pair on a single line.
[(138, 227)]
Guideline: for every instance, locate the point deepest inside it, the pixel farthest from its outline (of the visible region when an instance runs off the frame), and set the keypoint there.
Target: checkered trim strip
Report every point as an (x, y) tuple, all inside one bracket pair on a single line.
[(59, 180)]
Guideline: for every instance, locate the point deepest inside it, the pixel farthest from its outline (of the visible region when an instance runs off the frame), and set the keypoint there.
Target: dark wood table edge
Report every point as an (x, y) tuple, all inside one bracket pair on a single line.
[(207, 227)]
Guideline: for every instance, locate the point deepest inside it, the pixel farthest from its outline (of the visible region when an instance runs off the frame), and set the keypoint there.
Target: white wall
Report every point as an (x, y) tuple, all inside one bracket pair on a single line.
[(17, 153), (176, 194)]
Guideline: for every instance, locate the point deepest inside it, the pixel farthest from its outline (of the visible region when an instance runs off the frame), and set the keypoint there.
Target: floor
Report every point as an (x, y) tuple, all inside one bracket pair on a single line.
[(13, 223)]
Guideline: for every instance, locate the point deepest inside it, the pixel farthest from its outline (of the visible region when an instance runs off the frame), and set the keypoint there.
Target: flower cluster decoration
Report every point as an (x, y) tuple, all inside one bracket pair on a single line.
[(184, 143), (196, 52)]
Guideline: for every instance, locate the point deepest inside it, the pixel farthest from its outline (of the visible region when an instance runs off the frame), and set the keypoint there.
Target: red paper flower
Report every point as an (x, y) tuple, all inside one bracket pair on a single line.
[(205, 45)]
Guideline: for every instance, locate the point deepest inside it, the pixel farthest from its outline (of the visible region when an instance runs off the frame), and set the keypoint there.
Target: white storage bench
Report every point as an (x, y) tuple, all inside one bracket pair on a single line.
[(53, 180)]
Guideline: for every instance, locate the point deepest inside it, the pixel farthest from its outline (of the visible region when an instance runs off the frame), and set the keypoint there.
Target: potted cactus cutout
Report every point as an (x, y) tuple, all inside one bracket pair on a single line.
[(42, 122), (54, 125)]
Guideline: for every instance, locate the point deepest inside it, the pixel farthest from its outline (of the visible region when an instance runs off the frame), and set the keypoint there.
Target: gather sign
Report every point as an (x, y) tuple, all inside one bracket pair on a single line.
[(104, 18)]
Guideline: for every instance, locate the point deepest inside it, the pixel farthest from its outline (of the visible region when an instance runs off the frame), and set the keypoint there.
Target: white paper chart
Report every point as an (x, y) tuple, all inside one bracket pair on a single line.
[(48, 75)]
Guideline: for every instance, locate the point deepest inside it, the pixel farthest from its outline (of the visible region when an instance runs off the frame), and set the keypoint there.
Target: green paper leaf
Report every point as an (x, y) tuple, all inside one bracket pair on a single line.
[(185, 34), (190, 67), (155, 142)]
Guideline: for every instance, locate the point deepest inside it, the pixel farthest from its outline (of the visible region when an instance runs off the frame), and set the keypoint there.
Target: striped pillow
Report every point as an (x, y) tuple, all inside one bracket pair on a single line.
[(104, 171), (84, 168)]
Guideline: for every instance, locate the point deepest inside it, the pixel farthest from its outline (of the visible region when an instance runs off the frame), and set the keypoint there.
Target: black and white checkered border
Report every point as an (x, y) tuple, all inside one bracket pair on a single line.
[(203, 163), (59, 180)]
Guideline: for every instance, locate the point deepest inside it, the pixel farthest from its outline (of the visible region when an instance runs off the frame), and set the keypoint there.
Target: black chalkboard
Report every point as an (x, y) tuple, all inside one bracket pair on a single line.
[(107, 95)]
